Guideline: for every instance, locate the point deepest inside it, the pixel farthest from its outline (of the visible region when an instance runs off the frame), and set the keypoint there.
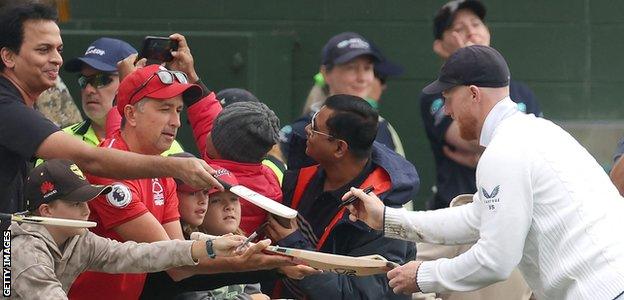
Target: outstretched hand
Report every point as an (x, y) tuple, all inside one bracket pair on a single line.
[(195, 172), (403, 279), (226, 245), (369, 209)]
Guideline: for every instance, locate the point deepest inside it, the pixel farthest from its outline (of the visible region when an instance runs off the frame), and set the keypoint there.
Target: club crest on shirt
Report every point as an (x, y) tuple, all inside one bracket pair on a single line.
[(157, 192), (490, 200), (120, 196)]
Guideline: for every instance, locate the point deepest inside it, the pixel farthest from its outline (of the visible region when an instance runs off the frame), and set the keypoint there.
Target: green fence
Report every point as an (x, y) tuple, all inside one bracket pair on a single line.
[(567, 51)]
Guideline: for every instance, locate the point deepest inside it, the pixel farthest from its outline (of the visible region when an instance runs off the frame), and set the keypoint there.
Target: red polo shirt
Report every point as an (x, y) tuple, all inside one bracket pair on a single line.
[(128, 200)]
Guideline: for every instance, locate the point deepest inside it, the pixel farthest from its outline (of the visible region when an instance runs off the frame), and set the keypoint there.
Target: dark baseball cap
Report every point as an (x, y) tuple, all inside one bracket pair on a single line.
[(233, 95), (102, 55), (478, 65), (346, 46), (445, 16), (59, 179)]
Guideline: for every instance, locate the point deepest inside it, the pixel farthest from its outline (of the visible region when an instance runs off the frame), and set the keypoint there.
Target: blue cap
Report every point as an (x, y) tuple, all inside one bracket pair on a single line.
[(345, 47), (102, 55)]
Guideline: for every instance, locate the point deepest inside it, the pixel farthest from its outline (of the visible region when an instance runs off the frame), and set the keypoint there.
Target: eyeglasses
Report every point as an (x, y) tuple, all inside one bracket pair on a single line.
[(97, 80), (313, 130), (165, 76)]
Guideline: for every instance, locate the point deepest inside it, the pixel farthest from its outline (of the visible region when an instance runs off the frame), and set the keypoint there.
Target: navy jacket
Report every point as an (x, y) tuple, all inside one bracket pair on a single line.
[(356, 238)]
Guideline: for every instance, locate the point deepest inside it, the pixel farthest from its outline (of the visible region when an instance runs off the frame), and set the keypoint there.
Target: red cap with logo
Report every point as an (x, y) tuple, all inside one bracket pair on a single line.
[(155, 82), (224, 175)]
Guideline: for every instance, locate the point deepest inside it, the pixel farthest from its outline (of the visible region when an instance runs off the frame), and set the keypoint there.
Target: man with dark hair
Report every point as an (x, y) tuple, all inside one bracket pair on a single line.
[(340, 138), (30, 52)]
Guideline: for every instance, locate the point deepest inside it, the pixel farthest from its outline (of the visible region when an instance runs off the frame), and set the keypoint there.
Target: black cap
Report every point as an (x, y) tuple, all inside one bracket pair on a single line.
[(478, 65), (59, 179), (233, 95), (445, 16), (346, 46)]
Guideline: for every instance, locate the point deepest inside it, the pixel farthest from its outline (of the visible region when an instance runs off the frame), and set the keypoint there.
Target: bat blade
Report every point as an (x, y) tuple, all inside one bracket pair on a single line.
[(263, 202), (341, 264), (52, 221)]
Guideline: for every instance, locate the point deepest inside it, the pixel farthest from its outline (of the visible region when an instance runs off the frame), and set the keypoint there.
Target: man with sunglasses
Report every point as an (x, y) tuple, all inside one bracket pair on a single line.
[(30, 53), (340, 138), (99, 81)]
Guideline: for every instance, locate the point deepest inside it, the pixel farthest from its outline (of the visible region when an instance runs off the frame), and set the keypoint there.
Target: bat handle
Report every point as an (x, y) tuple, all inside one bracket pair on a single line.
[(225, 185), (392, 265)]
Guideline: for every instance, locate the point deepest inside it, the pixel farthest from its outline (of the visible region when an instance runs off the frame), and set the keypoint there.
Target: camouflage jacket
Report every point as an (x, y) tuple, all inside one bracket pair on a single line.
[(40, 270), (57, 105)]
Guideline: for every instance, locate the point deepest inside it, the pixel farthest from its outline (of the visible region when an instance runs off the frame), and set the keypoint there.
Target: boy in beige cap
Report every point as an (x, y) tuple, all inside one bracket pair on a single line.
[(51, 257)]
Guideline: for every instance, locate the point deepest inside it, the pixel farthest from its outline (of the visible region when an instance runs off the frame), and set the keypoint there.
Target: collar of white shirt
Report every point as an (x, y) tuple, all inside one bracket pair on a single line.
[(499, 112)]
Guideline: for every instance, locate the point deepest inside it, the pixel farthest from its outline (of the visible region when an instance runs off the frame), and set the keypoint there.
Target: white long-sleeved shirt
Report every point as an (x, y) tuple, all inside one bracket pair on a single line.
[(543, 204)]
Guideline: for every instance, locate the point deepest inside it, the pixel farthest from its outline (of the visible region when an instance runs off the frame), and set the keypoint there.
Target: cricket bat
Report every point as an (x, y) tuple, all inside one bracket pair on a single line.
[(340, 264), (48, 221), (274, 207)]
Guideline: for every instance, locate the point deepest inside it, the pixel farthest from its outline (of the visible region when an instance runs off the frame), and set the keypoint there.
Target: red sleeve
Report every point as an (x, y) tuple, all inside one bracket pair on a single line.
[(121, 205), (113, 122), (171, 212), (201, 115)]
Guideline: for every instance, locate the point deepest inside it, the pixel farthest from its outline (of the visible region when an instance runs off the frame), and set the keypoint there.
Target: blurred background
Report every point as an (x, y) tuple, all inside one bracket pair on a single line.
[(567, 51)]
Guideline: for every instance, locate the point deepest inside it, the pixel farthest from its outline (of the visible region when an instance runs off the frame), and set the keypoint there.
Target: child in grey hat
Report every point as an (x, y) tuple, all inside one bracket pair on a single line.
[(245, 131)]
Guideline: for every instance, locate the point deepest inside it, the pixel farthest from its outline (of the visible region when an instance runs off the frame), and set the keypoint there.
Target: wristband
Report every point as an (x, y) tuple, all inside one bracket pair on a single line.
[(209, 249)]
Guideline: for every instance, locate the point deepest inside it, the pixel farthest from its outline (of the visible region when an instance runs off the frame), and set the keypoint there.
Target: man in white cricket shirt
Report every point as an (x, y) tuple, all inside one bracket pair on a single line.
[(543, 203)]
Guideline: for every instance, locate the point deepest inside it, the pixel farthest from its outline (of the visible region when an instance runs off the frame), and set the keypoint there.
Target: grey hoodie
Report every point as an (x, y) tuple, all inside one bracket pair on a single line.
[(40, 270)]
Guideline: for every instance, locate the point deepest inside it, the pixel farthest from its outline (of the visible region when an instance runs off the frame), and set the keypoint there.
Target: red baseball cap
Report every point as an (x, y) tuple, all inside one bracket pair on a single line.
[(136, 86), (223, 175)]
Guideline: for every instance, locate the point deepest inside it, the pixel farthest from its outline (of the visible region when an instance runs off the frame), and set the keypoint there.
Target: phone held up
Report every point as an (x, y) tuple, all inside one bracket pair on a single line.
[(157, 50)]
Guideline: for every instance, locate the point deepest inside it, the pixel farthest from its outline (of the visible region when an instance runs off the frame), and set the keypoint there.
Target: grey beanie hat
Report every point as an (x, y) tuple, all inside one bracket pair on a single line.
[(245, 131)]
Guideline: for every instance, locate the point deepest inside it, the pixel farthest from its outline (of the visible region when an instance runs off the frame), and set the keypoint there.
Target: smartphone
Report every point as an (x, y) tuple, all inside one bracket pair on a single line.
[(157, 49)]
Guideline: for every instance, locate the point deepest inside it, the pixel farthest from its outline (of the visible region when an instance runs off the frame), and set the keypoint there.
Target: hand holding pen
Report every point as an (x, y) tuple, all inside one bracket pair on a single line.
[(370, 209), (258, 231), (352, 198)]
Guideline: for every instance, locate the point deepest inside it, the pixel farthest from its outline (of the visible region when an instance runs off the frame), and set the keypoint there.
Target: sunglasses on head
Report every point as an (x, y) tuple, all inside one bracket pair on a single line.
[(166, 77), (97, 80)]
